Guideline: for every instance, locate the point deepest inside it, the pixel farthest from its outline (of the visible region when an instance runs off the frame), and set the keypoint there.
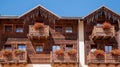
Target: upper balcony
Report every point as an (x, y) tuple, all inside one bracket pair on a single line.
[(15, 56), (99, 33), (41, 33)]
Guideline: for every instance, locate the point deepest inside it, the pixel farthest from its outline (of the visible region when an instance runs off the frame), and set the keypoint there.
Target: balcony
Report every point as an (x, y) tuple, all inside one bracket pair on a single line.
[(63, 59), (108, 59), (39, 34), (15, 56), (99, 33)]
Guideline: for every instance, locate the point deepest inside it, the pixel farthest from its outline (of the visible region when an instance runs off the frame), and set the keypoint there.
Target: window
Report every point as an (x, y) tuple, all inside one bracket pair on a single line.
[(8, 28), (98, 25), (69, 47), (7, 47), (58, 29), (93, 48), (19, 28), (39, 48), (54, 48), (108, 49), (21, 47), (68, 29)]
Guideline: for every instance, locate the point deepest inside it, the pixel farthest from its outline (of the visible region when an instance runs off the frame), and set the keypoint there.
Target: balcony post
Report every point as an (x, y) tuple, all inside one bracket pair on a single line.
[(105, 58)]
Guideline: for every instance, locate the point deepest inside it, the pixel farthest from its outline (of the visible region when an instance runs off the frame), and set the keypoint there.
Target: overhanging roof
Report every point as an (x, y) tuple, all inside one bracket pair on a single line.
[(104, 8), (39, 6), (16, 40)]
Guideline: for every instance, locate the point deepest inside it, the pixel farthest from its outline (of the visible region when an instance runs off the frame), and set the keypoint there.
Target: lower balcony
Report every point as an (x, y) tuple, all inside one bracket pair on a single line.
[(66, 58), (15, 56), (106, 59)]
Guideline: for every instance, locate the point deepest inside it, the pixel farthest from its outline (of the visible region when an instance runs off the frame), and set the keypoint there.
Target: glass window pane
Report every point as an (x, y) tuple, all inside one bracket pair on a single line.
[(21, 47), (98, 25), (19, 29), (7, 47), (8, 28), (108, 49), (58, 29), (68, 30), (69, 47), (54, 48), (39, 48)]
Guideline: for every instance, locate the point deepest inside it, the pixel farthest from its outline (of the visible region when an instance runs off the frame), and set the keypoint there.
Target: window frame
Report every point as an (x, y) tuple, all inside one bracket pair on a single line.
[(69, 30), (59, 26), (22, 46), (56, 47), (67, 49), (39, 48), (10, 48), (108, 47), (21, 26), (8, 25)]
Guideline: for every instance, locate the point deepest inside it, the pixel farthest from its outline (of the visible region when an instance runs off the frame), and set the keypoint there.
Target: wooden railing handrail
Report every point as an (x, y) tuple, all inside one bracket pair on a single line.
[(13, 57), (33, 32), (99, 31), (67, 59), (92, 59)]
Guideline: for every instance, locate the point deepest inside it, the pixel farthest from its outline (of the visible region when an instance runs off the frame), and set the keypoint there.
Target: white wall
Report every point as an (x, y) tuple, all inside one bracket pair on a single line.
[(81, 44), (38, 65), (42, 65)]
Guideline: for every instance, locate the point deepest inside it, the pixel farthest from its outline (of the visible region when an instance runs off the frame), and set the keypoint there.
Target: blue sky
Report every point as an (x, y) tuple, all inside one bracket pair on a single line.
[(73, 8)]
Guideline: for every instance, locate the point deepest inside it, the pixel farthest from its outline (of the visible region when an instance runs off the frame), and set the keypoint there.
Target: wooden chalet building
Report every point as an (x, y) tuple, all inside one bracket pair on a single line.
[(38, 38), (101, 38)]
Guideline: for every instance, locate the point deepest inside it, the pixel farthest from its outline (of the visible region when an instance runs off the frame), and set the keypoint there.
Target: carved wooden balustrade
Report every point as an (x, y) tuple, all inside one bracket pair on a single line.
[(39, 34), (10, 56), (99, 33), (63, 59), (108, 58)]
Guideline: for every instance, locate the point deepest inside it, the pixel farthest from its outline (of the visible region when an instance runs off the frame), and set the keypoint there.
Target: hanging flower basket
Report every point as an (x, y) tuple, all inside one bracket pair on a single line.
[(115, 52), (59, 52), (106, 25), (72, 52), (38, 26), (99, 53)]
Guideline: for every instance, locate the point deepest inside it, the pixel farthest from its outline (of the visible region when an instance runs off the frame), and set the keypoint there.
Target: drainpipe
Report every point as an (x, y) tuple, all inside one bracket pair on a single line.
[(81, 45)]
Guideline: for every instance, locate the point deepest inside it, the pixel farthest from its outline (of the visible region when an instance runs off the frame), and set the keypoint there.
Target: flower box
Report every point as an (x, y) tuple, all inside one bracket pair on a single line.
[(20, 54), (59, 52), (72, 52), (99, 53), (38, 26), (7, 54), (115, 52), (106, 25)]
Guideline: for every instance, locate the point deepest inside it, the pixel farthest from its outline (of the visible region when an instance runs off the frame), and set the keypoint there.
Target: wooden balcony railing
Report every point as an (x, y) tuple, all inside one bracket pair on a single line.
[(11, 57), (63, 59), (100, 33), (108, 58), (42, 33)]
